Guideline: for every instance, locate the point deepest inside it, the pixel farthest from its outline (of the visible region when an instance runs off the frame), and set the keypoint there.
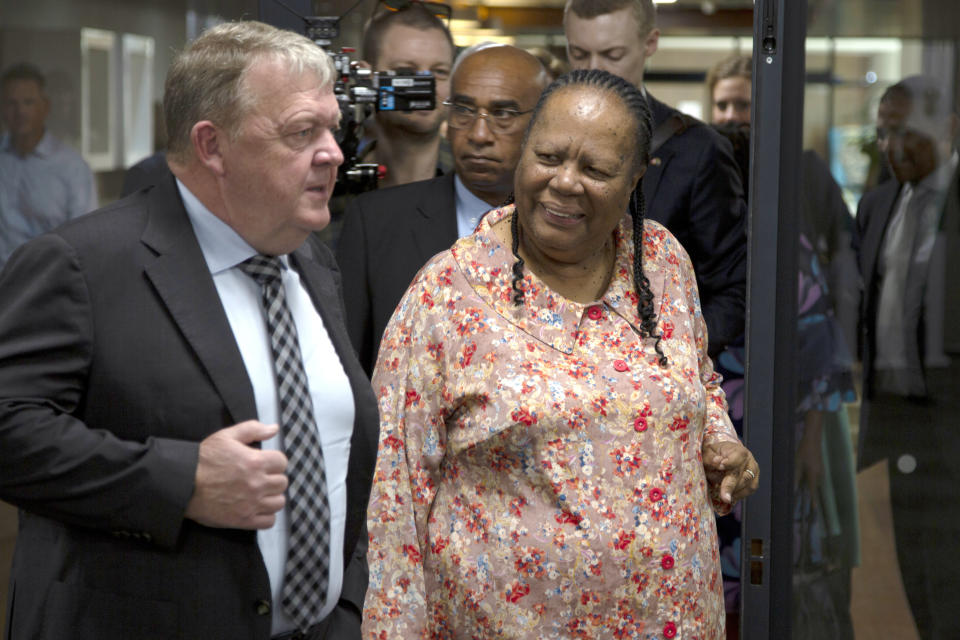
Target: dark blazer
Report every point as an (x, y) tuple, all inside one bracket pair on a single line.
[(150, 171), (692, 186), (388, 235), (116, 360), (873, 216)]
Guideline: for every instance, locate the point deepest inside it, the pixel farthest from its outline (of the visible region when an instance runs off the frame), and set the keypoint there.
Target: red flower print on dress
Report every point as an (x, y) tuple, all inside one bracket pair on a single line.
[(412, 554), (523, 416), (623, 539), (516, 591)]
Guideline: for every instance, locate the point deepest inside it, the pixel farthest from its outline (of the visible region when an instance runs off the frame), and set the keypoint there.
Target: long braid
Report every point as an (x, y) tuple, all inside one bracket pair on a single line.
[(518, 265), (648, 317)]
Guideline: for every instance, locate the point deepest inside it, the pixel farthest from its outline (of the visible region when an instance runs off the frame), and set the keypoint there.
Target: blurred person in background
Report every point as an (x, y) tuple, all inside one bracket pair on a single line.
[(44, 181), (827, 220), (827, 533), (692, 185), (908, 240)]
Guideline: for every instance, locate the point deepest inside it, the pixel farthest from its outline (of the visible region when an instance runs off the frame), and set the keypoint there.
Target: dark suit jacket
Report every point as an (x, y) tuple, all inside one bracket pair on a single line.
[(873, 216), (388, 235), (692, 187), (116, 359), (150, 171)]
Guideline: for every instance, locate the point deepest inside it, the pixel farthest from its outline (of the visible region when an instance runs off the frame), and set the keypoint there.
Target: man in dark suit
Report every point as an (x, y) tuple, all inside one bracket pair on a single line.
[(692, 185), (389, 234), (908, 241), (148, 353)]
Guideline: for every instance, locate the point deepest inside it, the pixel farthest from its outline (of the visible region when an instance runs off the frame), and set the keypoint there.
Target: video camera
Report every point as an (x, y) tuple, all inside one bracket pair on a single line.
[(359, 93)]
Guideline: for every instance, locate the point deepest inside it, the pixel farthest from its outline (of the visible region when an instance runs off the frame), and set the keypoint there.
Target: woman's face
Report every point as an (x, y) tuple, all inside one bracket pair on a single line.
[(576, 173), (731, 101)]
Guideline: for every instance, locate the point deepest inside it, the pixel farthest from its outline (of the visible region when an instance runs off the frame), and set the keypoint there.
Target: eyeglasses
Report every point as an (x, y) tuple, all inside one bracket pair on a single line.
[(500, 120), (442, 11)]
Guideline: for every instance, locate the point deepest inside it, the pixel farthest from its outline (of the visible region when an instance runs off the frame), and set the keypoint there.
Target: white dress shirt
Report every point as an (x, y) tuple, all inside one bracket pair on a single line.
[(470, 208), (223, 249), (904, 266)]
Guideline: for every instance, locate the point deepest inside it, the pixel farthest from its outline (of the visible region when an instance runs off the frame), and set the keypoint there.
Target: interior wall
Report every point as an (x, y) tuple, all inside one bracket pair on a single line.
[(164, 20)]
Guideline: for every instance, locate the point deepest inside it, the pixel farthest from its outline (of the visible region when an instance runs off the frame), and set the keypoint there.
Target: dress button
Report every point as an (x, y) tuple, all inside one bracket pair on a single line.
[(669, 630), (621, 365), (263, 607), (666, 561), (640, 424), (656, 495), (594, 312)]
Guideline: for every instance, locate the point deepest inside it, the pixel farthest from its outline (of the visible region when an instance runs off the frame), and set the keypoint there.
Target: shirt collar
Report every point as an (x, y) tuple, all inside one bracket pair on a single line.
[(223, 248), (45, 147), (470, 208)]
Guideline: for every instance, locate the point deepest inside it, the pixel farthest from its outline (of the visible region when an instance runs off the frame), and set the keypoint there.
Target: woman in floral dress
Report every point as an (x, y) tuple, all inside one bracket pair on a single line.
[(547, 409)]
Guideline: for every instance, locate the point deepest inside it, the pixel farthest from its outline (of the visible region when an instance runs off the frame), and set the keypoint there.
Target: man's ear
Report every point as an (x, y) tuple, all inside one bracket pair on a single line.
[(651, 43), (207, 139)]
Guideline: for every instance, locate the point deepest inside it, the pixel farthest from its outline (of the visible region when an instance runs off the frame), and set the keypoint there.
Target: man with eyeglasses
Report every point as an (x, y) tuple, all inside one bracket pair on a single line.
[(389, 234)]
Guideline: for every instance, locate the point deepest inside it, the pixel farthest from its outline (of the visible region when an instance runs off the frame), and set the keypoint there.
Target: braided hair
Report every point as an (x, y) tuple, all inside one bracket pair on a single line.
[(636, 105)]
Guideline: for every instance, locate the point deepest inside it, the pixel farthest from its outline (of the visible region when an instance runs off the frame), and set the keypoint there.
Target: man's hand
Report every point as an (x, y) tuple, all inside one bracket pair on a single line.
[(731, 465), (238, 486)]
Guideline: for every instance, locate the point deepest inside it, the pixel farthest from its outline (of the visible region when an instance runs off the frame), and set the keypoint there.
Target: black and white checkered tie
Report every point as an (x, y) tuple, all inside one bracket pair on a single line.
[(307, 571)]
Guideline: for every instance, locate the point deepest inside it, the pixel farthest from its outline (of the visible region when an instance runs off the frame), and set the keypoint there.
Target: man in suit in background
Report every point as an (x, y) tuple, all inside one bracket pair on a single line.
[(183, 423), (908, 241), (388, 235), (692, 184)]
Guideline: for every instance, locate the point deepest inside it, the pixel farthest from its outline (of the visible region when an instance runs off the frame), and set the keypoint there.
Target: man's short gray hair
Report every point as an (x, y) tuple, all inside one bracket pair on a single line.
[(206, 81)]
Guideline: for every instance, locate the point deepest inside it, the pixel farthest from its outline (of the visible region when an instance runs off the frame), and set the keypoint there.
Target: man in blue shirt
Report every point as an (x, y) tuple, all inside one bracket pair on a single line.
[(43, 182)]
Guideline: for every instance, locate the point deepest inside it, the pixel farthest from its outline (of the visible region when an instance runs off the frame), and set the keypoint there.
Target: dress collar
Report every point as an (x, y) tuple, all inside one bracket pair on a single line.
[(544, 314)]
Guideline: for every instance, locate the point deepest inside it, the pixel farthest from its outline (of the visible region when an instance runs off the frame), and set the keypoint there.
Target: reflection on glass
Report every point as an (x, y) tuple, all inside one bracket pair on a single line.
[(825, 531), (908, 231)]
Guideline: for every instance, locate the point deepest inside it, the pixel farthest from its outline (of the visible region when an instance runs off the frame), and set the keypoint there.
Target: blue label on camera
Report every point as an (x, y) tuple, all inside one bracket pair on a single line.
[(387, 99)]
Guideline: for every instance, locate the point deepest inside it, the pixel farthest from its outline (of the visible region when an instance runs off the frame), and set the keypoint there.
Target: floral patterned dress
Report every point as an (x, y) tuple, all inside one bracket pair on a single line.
[(539, 474)]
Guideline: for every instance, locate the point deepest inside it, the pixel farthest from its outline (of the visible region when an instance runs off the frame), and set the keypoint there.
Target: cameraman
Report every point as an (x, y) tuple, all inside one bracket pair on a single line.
[(408, 39)]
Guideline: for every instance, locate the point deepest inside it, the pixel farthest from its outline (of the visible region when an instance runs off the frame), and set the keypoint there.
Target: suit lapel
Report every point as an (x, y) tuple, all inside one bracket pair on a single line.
[(323, 292), (435, 229), (182, 280)]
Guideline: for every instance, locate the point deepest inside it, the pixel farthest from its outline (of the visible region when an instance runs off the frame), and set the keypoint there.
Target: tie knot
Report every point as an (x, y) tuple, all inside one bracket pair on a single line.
[(263, 269)]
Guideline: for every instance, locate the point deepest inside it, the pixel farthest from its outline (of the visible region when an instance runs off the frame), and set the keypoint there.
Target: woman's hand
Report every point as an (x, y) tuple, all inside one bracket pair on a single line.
[(731, 466)]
